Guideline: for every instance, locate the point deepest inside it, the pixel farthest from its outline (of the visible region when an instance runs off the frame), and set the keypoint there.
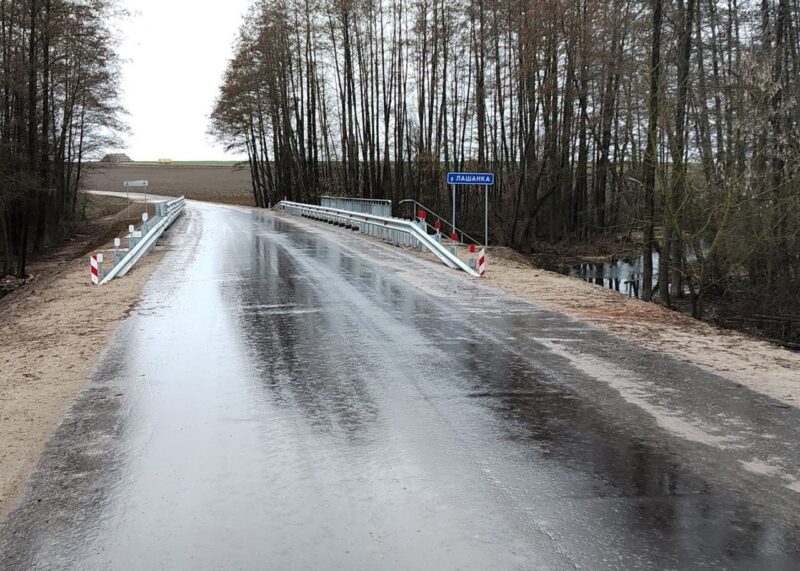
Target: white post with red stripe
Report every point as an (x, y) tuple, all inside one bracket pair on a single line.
[(94, 270), (482, 262)]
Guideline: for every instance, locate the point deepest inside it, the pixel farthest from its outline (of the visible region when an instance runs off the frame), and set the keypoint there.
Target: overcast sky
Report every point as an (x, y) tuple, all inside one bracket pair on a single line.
[(174, 54)]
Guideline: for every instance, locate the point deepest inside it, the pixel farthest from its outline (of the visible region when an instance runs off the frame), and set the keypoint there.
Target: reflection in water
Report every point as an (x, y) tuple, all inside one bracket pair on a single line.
[(292, 340), (317, 355), (652, 491), (624, 276)]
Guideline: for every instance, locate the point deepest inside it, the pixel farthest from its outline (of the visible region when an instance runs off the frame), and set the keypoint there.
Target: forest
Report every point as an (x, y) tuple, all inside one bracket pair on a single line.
[(669, 123), (58, 105)]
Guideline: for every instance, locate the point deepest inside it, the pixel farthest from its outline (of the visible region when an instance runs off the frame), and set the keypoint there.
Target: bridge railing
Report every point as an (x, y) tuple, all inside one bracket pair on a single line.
[(395, 230), (362, 205), (464, 237)]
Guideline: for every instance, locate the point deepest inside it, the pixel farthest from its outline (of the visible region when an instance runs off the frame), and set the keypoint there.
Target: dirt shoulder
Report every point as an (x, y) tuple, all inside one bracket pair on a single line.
[(53, 330), (759, 365)]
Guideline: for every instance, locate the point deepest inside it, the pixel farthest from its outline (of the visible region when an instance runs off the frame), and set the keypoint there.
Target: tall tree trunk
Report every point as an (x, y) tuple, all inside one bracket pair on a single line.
[(650, 152)]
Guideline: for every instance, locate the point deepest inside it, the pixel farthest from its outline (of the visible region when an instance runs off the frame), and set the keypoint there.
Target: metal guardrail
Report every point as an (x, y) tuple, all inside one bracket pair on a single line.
[(442, 220), (398, 231), (166, 213), (363, 205)]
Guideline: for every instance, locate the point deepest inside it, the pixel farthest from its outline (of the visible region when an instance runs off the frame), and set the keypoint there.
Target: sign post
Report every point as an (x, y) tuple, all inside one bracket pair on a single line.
[(486, 180), (128, 184)]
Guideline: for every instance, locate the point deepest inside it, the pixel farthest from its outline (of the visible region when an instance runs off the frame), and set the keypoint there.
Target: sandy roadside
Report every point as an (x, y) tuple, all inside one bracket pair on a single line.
[(52, 335), (759, 365)]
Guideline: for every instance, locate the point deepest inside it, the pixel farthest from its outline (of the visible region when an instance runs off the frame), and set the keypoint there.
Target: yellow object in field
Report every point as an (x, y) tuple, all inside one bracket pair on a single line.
[(165, 161)]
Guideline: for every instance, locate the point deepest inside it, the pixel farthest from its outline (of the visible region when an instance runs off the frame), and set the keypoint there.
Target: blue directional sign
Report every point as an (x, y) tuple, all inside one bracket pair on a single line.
[(481, 178)]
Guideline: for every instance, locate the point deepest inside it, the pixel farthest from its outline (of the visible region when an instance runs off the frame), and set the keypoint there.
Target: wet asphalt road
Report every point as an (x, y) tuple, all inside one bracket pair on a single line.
[(282, 400)]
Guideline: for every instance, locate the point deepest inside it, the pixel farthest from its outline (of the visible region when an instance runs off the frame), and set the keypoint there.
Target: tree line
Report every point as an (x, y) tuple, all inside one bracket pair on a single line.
[(670, 122), (58, 90)]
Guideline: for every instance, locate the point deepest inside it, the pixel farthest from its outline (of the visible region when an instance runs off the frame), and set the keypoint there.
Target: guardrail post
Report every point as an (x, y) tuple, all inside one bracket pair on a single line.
[(131, 237), (423, 225), (117, 252)]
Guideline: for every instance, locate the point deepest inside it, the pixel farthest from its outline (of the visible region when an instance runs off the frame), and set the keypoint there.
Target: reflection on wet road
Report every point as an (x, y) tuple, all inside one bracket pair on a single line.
[(278, 400)]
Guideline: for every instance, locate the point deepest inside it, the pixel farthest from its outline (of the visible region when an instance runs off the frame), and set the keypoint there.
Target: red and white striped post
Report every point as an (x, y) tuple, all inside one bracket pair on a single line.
[(482, 262), (94, 270)]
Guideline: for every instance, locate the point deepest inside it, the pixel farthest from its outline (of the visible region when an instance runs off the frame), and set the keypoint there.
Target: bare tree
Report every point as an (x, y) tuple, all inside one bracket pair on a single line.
[(601, 119), (58, 98)]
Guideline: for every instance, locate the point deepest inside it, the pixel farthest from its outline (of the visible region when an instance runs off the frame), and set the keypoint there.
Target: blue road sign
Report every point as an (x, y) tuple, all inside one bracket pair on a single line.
[(481, 178)]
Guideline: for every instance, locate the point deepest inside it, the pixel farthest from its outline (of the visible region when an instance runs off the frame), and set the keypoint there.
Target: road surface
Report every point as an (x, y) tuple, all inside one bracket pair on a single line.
[(281, 399)]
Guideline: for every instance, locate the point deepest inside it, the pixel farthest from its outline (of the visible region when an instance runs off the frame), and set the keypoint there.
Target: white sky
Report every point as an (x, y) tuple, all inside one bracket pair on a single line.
[(174, 54)]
